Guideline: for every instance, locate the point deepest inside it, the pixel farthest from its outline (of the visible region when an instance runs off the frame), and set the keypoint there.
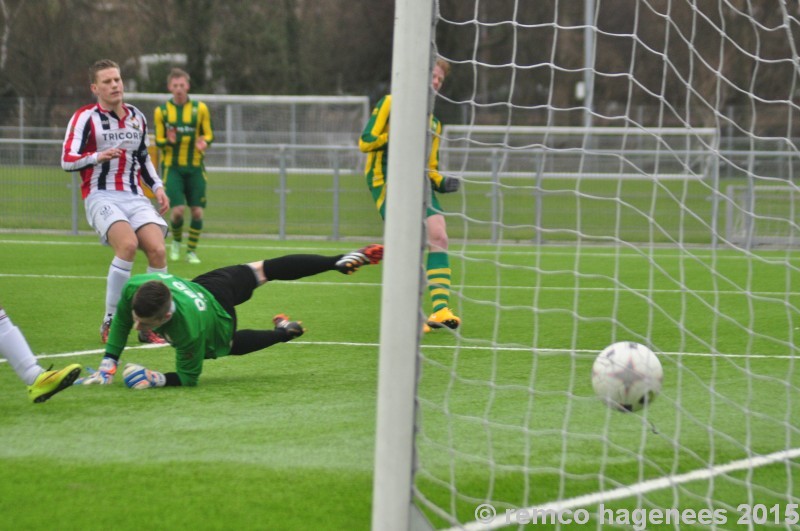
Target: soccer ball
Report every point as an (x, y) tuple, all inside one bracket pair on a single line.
[(627, 376)]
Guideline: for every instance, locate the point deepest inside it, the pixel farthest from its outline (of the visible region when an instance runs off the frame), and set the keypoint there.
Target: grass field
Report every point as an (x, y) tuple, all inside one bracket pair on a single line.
[(284, 439), (40, 197)]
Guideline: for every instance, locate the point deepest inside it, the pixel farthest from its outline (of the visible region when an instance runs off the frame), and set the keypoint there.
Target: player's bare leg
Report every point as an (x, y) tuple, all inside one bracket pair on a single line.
[(151, 241)]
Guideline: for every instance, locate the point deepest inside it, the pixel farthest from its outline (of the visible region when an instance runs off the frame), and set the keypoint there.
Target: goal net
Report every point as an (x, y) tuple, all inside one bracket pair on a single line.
[(628, 174), (587, 152), (763, 215)]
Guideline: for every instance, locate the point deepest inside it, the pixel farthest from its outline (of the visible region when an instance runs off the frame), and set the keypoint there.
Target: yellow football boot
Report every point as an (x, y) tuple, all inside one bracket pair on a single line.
[(444, 318), (51, 382)]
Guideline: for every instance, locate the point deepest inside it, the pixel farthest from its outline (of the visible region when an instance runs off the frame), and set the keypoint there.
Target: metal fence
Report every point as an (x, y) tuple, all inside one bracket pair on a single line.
[(271, 190), (312, 191)]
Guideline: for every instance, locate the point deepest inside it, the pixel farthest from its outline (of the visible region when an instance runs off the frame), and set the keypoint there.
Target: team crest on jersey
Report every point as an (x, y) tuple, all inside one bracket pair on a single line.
[(134, 123)]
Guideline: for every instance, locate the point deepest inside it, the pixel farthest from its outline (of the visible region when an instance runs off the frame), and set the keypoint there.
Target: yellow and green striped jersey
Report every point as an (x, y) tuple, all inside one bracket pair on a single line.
[(374, 141), (190, 121)]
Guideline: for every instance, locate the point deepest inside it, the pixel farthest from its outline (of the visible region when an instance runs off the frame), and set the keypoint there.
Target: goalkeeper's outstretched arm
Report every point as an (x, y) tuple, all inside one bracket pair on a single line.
[(121, 326)]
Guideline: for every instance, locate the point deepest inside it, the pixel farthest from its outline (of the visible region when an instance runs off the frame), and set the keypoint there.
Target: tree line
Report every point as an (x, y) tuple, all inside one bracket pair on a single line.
[(513, 60)]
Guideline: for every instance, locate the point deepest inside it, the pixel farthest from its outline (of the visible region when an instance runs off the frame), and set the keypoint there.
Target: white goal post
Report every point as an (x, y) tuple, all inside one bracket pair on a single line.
[(392, 508), (654, 205)]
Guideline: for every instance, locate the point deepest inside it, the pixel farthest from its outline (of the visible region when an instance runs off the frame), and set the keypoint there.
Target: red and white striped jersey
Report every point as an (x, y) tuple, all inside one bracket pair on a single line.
[(91, 130)]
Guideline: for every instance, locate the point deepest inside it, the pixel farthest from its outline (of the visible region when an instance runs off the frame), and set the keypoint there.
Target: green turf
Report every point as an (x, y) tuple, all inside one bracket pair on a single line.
[(40, 197), (284, 439), (281, 439)]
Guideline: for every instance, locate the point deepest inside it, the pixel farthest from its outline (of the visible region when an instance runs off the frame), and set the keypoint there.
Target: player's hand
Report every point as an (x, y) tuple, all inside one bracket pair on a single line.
[(172, 134), (201, 144), (105, 156), (140, 377), (163, 201), (102, 376), (449, 185)]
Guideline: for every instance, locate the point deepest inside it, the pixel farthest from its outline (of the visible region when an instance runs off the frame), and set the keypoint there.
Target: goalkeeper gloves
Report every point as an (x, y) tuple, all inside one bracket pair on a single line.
[(102, 376), (139, 377), (449, 185)]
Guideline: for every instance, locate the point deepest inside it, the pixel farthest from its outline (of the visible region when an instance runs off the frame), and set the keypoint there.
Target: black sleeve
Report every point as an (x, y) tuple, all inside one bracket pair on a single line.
[(172, 379)]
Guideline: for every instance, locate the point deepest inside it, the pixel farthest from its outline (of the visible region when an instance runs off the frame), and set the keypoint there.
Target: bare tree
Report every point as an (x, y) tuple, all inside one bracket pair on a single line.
[(688, 59), (50, 47), (347, 46), (193, 32), (9, 13), (250, 55)]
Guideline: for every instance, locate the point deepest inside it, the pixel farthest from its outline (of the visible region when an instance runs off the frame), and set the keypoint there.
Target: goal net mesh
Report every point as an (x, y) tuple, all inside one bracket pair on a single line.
[(597, 142)]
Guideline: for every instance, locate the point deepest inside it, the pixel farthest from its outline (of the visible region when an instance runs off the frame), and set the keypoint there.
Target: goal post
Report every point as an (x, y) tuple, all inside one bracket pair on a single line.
[(657, 206), (392, 508)]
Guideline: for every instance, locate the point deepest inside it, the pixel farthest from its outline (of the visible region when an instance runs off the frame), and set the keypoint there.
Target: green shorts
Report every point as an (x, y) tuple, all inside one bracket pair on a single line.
[(379, 196), (185, 185)]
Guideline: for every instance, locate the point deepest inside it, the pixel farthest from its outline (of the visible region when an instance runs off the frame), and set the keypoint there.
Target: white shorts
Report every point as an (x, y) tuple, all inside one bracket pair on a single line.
[(104, 208)]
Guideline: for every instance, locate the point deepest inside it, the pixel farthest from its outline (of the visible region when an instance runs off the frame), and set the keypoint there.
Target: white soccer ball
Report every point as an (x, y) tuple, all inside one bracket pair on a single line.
[(627, 376)]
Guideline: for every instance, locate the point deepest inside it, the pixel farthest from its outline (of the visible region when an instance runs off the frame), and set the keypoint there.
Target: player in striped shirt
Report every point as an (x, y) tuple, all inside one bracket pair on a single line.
[(107, 143)]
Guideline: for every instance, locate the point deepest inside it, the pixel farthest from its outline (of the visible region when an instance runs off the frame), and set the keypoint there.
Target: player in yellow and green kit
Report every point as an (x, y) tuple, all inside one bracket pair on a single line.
[(374, 141), (198, 316), (183, 133)]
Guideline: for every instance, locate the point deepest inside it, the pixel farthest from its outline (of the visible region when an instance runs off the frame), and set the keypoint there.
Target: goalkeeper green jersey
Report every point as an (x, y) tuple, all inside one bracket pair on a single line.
[(190, 121), (199, 328)]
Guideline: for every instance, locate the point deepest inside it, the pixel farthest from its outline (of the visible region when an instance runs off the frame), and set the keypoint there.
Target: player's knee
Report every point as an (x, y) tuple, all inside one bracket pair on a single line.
[(126, 249), (156, 256), (438, 240), (258, 271)]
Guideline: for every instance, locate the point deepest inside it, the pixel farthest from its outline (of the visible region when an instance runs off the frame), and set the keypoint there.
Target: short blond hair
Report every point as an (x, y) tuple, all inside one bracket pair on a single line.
[(178, 72), (102, 64)]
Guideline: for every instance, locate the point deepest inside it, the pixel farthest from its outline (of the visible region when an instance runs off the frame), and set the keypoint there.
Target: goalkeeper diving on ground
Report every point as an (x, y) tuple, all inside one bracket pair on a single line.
[(198, 317)]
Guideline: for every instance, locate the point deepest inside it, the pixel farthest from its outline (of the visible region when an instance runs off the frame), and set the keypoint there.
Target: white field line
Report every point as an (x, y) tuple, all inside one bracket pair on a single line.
[(463, 289), (521, 249), (372, 285), (499, 521), (588, 354), (589, 500)]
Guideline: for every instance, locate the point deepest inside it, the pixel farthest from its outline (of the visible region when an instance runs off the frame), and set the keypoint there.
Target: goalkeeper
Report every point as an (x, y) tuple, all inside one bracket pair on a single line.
[(198, 317)]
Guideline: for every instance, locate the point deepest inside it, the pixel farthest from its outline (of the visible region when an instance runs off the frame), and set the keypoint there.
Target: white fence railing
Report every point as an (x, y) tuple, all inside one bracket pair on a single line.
[(285, 191)]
